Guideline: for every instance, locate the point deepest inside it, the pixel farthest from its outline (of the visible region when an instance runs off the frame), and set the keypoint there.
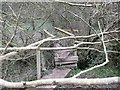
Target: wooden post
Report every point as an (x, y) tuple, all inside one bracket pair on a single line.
[(42, 56), (42, 61), (1, 32), (75, 52), (38, 64)]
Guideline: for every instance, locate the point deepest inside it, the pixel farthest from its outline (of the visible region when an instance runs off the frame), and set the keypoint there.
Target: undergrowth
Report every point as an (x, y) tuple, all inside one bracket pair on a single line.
[(101, 72)]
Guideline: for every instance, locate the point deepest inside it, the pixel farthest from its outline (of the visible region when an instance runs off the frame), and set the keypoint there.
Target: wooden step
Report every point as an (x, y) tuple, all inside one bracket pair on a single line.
[(69, 58), (65, 63)]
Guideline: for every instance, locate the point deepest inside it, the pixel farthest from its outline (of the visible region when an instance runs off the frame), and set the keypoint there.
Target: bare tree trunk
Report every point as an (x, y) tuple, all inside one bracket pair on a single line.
[(59, 81), (0, 43)]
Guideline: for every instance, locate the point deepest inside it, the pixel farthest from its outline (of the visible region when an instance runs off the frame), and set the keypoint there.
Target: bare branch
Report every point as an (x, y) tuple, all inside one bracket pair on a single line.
[(63, 31), (11, 39), (33, 46), (94, 49), (83, 37), (59, 81), (95, 43), (51, 35), (12, 11), (85, 22), (106, 55), (6, 56), (41, 41), (79, 4), (104, 46), (68, 37)]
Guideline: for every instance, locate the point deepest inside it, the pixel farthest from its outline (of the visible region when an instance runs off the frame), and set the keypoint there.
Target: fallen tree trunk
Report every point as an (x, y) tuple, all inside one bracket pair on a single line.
[(64, 81)]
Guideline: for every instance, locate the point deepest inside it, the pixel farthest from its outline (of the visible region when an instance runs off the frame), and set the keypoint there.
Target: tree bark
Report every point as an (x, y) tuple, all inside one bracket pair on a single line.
[(0, 43), (64, 81)]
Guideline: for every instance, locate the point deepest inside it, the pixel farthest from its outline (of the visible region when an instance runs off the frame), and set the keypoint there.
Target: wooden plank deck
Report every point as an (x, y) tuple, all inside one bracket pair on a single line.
[(56, 73)]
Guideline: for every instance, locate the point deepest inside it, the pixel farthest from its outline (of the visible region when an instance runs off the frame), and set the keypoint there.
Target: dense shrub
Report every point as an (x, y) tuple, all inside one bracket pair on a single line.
[(115, 57)]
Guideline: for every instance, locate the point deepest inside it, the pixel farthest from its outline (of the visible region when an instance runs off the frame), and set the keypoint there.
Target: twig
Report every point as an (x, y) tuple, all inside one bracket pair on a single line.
[(17, 20), (114, 38), (65, 32), (12, 36), (23, 58), (83, 37), (84, 22), (38, 42), (88, 48), (6, 56), (78, 4), (45, 21), (70, 25), (12, 11), (44, 40), (112, 24), (51, 35), (94, 43)]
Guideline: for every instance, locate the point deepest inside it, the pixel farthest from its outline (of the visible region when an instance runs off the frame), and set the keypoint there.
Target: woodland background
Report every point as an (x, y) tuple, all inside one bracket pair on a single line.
[(36, 16)]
